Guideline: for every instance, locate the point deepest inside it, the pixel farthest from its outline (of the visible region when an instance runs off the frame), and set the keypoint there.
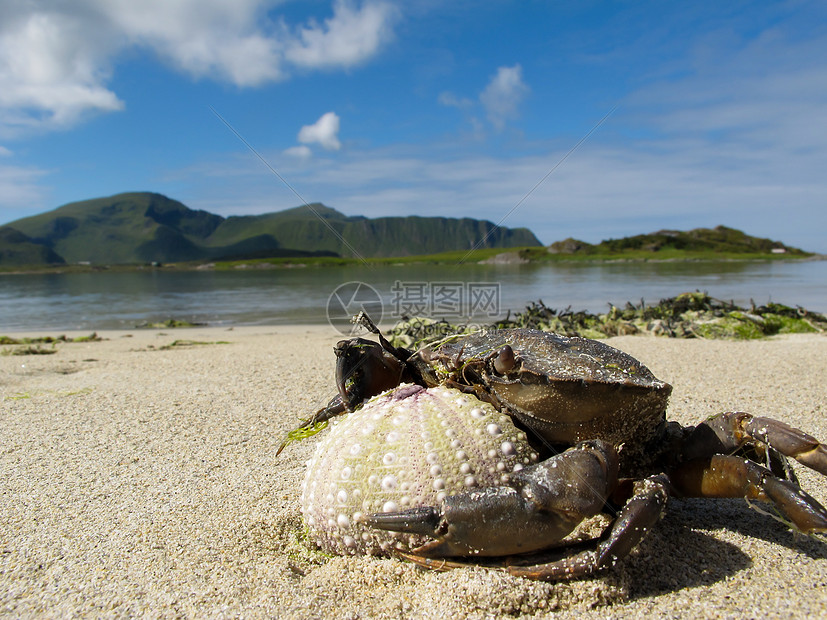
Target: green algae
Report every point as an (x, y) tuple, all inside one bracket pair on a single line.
[(689, 315)]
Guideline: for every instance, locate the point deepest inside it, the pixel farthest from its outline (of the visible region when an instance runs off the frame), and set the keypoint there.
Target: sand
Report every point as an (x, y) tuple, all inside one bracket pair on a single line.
[(142, 481)]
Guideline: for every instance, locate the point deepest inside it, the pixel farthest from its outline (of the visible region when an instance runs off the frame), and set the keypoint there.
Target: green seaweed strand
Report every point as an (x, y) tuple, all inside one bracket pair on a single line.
[(304, 432)]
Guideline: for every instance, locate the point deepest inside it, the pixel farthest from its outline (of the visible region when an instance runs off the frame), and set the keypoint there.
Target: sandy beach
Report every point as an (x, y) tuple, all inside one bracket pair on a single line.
[(140, 479)]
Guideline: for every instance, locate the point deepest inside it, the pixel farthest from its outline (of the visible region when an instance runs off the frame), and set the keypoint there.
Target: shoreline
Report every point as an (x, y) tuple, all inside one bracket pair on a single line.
[(140, 479), (282, 263), (287, 328)]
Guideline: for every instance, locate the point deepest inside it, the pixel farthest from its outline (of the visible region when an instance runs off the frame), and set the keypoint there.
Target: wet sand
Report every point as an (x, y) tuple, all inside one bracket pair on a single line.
[(142, 480)]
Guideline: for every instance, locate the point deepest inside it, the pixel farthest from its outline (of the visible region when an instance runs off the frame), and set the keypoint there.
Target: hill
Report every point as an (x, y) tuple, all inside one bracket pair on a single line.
[(18, 249), (718, 240), (370, 237), (144, 227)]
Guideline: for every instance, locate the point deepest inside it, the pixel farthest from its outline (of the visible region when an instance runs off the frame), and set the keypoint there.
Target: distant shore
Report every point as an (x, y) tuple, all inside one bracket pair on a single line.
[(489, 256)]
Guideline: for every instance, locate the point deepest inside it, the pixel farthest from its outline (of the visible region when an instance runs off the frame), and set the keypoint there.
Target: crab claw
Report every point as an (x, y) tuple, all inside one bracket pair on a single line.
[(537, 508)]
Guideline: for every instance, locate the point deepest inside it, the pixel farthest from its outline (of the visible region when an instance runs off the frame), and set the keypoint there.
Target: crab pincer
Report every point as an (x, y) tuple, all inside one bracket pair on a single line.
[(538, 507), (535, 511)]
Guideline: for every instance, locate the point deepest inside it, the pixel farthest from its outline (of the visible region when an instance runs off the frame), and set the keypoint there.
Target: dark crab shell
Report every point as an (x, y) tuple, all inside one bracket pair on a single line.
[(405, 448), (567, 389)]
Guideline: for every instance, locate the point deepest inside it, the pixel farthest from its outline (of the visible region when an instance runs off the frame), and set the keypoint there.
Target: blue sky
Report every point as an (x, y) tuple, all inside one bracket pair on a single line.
[(718, 110)]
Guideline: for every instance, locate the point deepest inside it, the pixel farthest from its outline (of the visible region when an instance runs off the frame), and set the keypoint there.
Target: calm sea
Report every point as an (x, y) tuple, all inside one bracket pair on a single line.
[(106, 300)]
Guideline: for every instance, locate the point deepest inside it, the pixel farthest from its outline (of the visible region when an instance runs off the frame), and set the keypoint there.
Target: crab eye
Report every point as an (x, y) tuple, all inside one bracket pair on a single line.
[(505, 360)]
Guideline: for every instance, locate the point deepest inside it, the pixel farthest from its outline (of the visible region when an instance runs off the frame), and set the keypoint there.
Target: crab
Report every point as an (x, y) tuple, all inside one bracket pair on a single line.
[(598, 418)]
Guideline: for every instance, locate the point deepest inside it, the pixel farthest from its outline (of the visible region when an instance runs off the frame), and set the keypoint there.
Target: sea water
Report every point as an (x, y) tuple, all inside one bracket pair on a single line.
[(308, 295)]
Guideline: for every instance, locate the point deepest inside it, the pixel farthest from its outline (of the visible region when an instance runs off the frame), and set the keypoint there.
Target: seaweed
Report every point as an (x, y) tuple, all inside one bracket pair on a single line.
[(168, 324), (689, 315), (9, 340), (301, 433), (177, 344), (36, 350)]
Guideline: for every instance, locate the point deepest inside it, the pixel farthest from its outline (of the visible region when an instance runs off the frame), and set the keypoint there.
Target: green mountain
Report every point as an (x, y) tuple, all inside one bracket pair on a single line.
[(144, 227), (709, 240), (369, 237), (18, 249), (127, 228)]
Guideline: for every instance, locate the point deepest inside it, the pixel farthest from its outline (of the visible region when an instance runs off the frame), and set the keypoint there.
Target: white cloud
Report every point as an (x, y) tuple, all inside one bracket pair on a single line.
[(57, 57), (499, 99), (324, 132), (51, 72), (349, 37), (227, 40), (503, 95), (20, 193), (301, 151), (452, 101), (4, 152)]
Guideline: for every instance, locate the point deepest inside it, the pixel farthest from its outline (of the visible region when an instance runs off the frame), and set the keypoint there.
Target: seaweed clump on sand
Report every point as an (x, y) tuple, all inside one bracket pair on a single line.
[(689, 315), (23, 345), (168, 324)]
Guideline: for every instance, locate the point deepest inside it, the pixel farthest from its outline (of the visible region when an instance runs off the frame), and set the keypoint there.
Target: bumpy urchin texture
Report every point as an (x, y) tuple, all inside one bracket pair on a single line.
[(407, 447)]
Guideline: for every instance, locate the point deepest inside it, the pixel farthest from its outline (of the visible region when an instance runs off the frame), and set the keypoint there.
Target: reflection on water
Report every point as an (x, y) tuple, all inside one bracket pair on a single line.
[(300, 295)]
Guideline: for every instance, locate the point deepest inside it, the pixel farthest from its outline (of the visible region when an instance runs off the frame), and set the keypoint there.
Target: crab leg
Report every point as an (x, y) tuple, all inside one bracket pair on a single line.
[(727, 432), (638, 515), (538, 507), (731, 476)]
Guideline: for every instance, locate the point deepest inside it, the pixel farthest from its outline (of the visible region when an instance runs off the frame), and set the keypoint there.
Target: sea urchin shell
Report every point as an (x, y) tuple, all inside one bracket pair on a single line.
[(407, 447)]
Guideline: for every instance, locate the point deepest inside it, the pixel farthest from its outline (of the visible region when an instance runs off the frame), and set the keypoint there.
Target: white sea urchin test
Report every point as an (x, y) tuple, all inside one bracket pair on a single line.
[(407, 447)]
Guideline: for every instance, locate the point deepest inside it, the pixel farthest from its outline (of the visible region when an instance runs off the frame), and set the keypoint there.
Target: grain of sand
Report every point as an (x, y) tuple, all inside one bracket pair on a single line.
[(137, 480)]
